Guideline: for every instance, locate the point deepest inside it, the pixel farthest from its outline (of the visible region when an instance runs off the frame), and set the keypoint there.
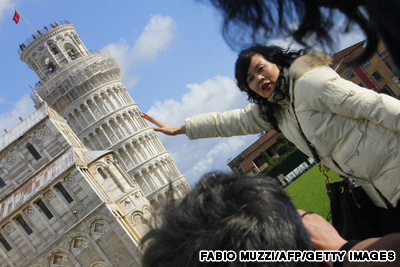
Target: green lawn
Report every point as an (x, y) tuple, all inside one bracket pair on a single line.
[(309, 192)]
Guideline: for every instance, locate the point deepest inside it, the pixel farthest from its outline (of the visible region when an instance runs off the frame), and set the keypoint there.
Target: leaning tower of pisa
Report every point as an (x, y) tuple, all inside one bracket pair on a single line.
[(85, 87)]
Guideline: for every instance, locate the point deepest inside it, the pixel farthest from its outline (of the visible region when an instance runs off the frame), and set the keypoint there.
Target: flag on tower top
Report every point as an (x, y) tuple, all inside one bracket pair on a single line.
[(16, 17)]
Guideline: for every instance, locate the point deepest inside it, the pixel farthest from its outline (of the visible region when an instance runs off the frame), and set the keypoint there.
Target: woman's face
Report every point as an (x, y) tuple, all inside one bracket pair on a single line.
[(262, 76)]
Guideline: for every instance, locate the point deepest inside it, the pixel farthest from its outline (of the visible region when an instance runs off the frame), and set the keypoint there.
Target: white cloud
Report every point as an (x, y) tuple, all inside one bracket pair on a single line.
[(354, 36), (196, 157), (23, 108), (156, 37), (217, 94), (6, 9)]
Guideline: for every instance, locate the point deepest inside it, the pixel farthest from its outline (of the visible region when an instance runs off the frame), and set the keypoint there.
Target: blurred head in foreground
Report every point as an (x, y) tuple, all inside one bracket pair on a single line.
[(226, 211)]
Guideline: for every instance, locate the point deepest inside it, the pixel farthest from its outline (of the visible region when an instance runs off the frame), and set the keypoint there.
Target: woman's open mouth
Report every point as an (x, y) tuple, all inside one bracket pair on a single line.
[(266, 87)]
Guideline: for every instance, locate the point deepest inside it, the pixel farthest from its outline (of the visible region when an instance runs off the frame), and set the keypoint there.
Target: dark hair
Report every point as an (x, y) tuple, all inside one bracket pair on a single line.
[(280, 57), (257, 21), (226, 212)]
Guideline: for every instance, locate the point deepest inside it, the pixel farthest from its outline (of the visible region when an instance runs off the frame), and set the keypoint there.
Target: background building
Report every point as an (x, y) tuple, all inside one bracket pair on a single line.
[(250, 161), (79, 176), (378, 73)]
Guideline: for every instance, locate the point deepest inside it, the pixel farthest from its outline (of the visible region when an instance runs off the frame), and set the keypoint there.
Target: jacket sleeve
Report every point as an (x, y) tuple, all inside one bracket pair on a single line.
[(234, 122), (389, 243), (324, 90)]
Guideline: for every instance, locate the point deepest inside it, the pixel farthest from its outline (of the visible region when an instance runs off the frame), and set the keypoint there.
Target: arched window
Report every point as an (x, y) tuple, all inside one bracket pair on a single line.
[(101, 173), (33, 151), (108, 173), (5, 243), (2, 183), (53, 49), (44, 208), (71, 53), (24, 225), (64, 192)]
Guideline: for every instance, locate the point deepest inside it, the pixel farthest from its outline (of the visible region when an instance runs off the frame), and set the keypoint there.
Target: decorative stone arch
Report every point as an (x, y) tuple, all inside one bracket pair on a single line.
[(87, 143), (82, 106), (156, 162), (98, 168), (108, 133), (136, 110), (58, 257), (142, 183), (97, 226), (47, 63), (153, 203), (113, 124), (146, 209), (158, 174), (97, 131), (111, 119), (139, 149), (102, 93), (96, 95), (88, 100), (112, 94), (140, 223), (109, 159), (123, 124), (34, 66), (122, 152), (99, 264), (77, 243), (161, 199), (52, 47), (109, 90), (71, 50), (118, 116)]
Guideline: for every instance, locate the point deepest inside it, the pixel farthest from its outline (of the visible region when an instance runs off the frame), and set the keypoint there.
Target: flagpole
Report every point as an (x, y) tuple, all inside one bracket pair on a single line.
[(25, 20)]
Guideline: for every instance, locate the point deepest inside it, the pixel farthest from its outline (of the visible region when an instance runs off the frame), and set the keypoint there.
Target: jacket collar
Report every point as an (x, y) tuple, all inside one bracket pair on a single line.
[(308, 62)]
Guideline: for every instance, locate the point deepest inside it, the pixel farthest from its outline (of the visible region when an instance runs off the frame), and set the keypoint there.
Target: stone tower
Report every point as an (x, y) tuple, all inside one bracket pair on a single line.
[(78, 177), (85, 87)]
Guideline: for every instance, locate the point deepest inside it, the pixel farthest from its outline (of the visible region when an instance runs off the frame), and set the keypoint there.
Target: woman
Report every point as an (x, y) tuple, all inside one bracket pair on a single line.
[(353, 130)]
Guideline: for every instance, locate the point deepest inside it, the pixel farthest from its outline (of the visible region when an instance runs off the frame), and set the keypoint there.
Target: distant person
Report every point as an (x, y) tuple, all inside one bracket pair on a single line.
[(354, 130), (258, 21), (232, 212)]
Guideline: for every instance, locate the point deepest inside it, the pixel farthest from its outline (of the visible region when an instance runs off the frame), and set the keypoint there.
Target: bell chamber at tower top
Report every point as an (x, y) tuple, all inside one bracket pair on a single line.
[(66, 69)]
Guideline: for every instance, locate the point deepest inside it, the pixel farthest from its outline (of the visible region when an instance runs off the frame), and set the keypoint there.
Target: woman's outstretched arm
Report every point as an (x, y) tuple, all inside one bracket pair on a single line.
[(163, 127)]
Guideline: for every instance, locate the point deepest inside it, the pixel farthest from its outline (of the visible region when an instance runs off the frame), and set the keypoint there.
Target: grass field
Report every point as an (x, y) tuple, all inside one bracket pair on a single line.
[(309, 192)]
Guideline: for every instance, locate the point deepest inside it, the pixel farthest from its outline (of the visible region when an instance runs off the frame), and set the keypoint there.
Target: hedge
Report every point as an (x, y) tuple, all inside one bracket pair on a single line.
[(286, 163)]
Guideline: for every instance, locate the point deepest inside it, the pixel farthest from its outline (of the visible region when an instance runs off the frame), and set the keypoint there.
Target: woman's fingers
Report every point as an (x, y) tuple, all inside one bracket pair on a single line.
[(151, 119), (163, 127)]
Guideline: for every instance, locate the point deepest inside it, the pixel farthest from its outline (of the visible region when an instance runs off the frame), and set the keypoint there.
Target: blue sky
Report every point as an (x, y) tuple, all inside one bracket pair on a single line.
[(173, 59)]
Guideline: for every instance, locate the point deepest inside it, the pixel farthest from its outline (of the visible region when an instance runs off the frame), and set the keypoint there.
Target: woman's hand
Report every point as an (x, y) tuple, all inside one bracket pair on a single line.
[(163, 127), (323, 235)]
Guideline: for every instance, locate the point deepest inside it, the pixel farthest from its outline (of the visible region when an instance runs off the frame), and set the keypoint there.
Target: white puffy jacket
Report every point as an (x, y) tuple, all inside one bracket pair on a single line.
[(355, 131)]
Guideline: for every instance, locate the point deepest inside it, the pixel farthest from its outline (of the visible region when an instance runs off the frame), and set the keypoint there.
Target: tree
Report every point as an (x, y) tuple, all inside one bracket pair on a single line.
[(283, 140), (283, 148), (266, 157)]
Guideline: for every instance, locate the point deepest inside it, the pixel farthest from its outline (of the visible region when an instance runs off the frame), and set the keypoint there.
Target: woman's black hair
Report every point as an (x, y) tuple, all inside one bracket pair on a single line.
[(257, 21), (278, 56)]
